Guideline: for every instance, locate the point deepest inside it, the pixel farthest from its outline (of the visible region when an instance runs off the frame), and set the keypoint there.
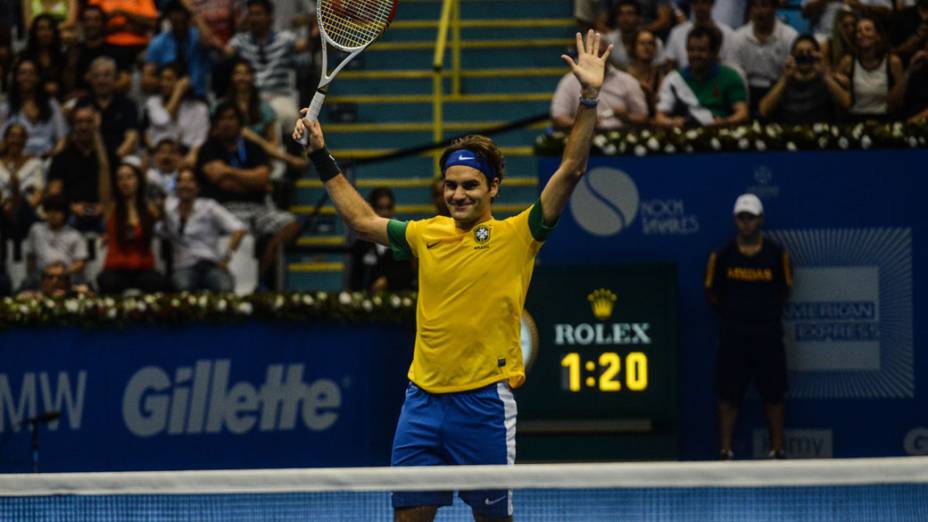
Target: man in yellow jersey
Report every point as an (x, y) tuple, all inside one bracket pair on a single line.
[(474, 272)]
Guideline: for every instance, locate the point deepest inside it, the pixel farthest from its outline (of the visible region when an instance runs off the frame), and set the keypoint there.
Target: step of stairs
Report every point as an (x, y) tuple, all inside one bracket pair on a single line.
[(510, 65)]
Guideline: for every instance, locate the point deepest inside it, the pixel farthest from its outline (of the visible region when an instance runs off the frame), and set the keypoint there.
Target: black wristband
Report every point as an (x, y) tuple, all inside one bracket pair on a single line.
[(325, 164), (589, 103)]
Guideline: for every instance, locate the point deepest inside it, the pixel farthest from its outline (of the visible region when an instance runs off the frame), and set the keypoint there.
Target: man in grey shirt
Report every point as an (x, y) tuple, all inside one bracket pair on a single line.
[(53, 241), (194, 226)]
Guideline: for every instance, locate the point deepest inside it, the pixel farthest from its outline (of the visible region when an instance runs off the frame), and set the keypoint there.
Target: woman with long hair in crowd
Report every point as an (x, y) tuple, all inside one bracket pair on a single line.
[(642, 67), (841, 41), (45, 50), (18, 169), (260, 119), (874, 78), (30, 105), (130, 222)]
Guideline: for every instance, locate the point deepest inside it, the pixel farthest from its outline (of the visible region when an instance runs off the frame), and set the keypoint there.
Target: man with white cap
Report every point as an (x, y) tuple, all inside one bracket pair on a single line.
[(748, 281)]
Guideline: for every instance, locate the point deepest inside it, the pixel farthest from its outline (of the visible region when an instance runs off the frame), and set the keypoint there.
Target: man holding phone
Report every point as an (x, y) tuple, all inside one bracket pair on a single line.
[(806, 92)]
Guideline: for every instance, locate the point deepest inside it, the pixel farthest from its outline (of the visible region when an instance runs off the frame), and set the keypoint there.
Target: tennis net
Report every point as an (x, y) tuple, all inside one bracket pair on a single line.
[(847, 490)]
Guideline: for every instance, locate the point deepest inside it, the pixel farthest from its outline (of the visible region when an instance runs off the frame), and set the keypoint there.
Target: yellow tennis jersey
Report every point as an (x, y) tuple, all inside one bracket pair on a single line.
[(472, 287)]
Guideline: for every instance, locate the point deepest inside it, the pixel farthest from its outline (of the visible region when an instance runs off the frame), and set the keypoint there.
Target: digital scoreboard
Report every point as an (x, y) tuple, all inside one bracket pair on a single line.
[(601, 349)]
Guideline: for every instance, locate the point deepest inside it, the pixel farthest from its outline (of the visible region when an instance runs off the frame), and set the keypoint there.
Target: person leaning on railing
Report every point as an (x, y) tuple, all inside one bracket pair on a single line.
[(873, 78), (642, 68), (706, 93), (807, 92)]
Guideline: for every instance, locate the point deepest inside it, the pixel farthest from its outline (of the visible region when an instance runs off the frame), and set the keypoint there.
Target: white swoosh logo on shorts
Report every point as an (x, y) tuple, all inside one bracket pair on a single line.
[(491, 502)]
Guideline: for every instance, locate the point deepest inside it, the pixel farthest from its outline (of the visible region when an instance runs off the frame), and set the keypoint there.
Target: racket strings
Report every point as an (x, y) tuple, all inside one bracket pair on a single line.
[(355, 23)]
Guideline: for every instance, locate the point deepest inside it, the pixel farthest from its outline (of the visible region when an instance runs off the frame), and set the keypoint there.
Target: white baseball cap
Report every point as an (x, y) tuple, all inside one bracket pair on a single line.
[(749, 203)]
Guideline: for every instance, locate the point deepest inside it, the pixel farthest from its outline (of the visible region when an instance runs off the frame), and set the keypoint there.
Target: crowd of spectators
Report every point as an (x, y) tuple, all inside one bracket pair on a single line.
[(692, 63), (148, 130)]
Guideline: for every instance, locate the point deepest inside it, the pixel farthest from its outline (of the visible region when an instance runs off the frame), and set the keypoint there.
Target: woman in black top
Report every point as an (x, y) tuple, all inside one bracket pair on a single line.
[(44, 48)]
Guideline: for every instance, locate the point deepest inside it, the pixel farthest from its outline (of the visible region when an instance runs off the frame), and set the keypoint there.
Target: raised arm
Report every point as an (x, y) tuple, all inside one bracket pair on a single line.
[(590, 69), (358, 215)]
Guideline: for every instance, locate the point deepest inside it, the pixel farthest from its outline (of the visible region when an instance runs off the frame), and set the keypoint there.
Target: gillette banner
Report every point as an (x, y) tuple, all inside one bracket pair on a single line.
[(241, 396)]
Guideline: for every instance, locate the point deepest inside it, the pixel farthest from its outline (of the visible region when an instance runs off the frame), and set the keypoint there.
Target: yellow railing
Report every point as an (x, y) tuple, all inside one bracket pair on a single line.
[(450, 18)]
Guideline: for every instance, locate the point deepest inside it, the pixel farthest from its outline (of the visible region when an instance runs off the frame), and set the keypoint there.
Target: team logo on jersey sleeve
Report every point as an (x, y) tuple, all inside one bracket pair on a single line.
[(482, 234)]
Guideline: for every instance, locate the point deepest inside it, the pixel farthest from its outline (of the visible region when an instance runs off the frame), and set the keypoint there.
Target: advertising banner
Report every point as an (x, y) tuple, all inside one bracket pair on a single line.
[(853, 223), (230, 396), (603, 362)]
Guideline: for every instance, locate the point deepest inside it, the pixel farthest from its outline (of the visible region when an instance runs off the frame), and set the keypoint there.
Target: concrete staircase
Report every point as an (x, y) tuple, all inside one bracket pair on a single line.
[(510, 65)]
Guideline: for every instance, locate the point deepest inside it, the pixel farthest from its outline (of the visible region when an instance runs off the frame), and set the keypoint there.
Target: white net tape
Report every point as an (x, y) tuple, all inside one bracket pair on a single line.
[(766, 474)]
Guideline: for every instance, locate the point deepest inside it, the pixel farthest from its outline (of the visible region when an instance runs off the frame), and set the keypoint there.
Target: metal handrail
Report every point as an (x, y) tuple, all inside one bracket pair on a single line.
[(450, 16)]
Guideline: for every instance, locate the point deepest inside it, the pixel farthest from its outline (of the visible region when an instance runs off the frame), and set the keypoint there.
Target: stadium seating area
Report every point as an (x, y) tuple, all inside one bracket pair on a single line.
[(506, 53)]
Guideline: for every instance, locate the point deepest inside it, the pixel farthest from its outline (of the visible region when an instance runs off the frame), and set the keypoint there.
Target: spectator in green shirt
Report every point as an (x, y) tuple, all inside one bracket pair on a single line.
[(705, 93)]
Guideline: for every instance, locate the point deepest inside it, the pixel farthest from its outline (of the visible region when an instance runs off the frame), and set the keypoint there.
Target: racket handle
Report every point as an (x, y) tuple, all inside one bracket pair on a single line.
[(312, 114), (315, 106)]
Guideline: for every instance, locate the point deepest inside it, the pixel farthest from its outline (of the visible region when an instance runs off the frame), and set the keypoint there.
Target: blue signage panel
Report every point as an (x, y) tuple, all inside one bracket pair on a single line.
[(231, 396), (854, 225)]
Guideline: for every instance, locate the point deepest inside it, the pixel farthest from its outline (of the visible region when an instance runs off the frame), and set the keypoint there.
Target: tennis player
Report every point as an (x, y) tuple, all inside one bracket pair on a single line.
[(474, 272)]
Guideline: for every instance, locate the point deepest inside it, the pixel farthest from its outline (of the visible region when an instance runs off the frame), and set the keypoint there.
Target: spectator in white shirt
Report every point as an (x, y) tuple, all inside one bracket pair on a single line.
[(761, 47), (175, 113), (700, 15), (621, 101), (28, 104), (28, 171), (54, 241), (194, 226), (730, 12), (161, 177), (628, 21)]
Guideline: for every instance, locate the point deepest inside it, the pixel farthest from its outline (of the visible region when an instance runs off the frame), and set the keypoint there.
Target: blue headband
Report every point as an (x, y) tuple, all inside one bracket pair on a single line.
[(470, 159)]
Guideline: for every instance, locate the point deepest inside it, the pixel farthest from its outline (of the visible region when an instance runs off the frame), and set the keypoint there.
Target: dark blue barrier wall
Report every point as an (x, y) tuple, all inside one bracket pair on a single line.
[(854, 223), (242, 396)]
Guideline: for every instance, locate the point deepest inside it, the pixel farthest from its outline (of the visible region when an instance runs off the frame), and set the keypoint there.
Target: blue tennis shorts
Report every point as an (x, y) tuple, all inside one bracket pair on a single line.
[(464, 428)]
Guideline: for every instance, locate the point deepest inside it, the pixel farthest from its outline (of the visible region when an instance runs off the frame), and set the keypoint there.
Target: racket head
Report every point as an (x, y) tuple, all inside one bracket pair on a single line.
[(352, 25)]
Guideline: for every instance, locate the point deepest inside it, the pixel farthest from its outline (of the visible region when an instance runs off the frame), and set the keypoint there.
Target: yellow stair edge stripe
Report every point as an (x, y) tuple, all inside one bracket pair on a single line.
[(421, 126), (321, 241), (514, 181), (426, 74), (316, 267), (474, 44), (410, 209), (514, 72), (496, 22), (427, 98), (368, 153)]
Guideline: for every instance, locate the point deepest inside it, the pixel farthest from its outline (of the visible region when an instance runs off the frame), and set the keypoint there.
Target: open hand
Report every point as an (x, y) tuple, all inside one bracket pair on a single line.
[(590, 66)]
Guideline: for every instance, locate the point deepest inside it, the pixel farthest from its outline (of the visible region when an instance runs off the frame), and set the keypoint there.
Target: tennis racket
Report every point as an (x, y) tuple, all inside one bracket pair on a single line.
[(349, 26)]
